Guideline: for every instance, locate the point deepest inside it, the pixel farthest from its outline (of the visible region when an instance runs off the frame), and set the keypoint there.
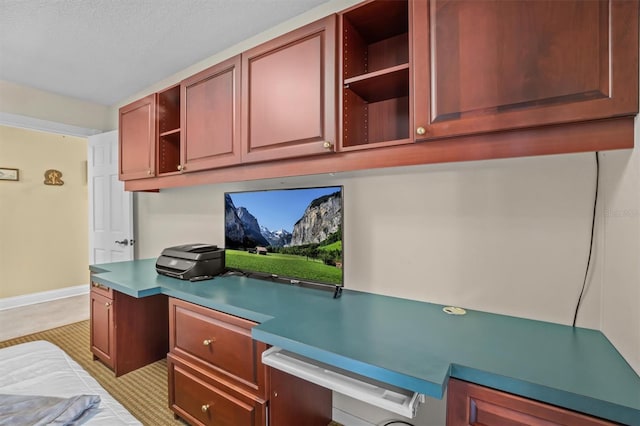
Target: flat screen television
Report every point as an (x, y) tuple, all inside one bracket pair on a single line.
[(293, 235)]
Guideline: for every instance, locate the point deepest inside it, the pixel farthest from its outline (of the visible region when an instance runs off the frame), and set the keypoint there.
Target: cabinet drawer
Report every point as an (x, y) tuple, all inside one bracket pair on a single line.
[(219, 342), (471, 404), (102, 290), (201, 400)]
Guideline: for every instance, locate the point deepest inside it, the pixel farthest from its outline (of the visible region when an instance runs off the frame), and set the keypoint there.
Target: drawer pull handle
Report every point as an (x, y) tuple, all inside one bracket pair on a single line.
[(205, 408), (207, 342)]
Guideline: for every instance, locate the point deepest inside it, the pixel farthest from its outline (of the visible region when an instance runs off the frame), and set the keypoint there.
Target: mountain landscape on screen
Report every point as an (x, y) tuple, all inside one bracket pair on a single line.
[(305, 245)]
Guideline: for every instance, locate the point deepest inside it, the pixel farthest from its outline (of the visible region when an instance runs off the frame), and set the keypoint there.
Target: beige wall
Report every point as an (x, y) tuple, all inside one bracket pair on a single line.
[(506, 236), (43, 229), (51, 107), (620, 266)]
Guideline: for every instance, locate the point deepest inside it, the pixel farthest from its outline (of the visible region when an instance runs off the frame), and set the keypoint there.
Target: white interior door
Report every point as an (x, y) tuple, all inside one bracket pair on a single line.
[(110, 206)]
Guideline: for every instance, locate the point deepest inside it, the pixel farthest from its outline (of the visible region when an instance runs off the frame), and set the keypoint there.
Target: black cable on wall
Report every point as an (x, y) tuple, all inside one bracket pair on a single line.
[(593, 226)]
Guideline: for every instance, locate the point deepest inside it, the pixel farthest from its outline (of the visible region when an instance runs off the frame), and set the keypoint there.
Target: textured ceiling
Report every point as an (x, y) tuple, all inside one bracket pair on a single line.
[(106, 50)]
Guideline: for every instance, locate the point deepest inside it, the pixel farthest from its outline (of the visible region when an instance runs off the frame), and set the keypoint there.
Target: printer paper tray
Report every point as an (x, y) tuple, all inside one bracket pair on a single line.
[(388, 397)]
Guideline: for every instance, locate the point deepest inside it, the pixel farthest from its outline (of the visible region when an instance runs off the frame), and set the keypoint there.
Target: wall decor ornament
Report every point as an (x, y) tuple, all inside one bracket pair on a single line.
[(7, 173), (53, 177)]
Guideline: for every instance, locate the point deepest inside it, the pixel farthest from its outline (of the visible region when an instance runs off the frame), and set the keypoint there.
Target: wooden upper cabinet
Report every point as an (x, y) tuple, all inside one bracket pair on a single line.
[(211, 117), (289, 94), (137, 139), (489, 65)]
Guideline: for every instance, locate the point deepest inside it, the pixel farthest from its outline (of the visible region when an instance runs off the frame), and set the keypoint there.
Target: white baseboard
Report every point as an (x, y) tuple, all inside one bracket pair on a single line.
[(347, 419), (44, 296)]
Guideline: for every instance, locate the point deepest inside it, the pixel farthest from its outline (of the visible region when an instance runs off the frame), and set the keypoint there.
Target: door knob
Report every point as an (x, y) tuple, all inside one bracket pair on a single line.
[(124, 242)]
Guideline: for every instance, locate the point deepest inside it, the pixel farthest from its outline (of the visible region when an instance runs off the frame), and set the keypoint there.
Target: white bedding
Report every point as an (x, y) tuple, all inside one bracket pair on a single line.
[(42, 368)]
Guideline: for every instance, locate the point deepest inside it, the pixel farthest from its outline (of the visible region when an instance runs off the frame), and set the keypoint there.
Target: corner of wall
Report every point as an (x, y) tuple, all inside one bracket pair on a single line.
[(621, 246)]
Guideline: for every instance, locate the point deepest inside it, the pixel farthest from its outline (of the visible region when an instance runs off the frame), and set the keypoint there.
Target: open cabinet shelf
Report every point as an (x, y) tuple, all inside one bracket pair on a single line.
[(381, 85), (168, 152), (375, 75)]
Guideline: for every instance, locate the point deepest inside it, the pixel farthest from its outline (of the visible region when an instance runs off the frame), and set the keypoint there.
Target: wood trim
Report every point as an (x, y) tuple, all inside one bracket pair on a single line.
[(566, 138)]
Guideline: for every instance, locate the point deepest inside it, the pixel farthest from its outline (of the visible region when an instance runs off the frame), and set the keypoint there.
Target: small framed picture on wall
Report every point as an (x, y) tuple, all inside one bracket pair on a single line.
[(7, 173)]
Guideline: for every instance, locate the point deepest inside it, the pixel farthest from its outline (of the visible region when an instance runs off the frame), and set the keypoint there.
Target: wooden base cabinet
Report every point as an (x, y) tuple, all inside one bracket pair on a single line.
[(127, 333), (216, 375), (471, 404)]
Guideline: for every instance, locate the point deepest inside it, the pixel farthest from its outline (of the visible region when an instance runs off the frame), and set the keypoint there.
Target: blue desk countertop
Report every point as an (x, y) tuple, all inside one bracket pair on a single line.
[(411, 344)]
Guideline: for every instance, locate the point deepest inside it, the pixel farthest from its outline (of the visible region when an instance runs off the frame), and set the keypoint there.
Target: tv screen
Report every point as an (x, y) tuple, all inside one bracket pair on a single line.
[(291, 234)]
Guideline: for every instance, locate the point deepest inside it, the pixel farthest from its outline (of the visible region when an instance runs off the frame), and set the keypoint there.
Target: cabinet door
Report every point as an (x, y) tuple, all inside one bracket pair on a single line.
[(289, 94), (102, 331), (137, 138), (294, 401), (482, 66), (211, 117)]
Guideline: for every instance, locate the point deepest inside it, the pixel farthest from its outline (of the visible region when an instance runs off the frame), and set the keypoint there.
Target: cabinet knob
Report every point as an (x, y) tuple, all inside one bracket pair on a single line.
[(207, 342), (421, 130), (327, 145), (205, 408), (275, 394), (149, 172), (107, 304), (180, 167)]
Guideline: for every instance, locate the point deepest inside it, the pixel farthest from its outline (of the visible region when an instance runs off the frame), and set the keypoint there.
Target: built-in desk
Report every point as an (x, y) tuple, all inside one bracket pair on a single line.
[(411, 344)]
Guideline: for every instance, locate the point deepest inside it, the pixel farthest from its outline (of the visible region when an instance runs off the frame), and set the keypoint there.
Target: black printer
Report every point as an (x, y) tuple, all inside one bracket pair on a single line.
[(191, 261)]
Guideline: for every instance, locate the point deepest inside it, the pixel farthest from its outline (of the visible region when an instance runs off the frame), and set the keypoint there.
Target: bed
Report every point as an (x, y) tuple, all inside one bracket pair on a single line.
[(43, 369)]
